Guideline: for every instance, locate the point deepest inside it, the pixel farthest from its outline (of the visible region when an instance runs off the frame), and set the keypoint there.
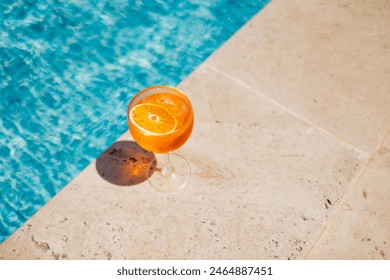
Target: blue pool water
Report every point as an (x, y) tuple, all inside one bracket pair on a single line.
[(68, 69)]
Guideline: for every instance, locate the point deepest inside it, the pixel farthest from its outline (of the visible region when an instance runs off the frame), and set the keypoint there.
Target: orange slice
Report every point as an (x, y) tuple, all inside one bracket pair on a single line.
[(153, 119)]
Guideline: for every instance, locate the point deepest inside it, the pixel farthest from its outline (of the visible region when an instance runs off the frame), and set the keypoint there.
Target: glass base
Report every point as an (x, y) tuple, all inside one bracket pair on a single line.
[(172, 173)]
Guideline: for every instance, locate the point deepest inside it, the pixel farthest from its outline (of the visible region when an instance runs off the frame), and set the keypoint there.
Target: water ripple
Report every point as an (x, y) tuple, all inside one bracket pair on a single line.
[(68, 70)]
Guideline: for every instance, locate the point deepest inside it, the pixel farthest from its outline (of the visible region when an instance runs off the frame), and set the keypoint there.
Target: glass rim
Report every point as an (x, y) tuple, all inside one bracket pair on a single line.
[(134, 101)]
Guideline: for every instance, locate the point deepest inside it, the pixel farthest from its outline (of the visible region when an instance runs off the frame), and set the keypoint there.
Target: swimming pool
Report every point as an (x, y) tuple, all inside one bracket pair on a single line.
[(68, 70)]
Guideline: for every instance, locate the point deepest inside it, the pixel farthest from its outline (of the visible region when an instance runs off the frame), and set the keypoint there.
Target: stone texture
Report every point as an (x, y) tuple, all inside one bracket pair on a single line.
[(289, 113), (262, 184), (328, 61), (360, 228)]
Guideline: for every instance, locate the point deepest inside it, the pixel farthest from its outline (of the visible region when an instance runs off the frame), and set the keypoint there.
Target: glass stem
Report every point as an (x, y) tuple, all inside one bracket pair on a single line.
[(167, 168)]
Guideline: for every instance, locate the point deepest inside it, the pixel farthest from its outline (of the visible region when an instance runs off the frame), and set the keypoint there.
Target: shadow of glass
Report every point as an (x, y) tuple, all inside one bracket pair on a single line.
[(125, 163)]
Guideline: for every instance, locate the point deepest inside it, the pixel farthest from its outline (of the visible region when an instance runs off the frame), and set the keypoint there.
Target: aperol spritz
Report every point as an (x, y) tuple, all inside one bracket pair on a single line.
[(160, 120)]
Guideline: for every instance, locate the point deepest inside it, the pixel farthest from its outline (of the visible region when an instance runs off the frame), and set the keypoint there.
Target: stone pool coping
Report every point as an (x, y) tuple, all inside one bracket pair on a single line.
[(290, 154)]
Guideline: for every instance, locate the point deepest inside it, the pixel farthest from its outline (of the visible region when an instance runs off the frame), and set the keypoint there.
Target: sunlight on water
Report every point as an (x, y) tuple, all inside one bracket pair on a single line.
[(68, 70)]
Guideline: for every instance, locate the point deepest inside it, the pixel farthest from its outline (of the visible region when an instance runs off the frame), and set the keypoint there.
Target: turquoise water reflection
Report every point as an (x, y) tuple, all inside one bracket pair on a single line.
[(68, 68)]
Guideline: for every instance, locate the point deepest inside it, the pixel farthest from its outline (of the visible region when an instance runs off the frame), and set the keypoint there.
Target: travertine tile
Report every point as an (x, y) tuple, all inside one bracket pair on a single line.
[(275, 109), (263, 183), (328, 61), (361, 227)]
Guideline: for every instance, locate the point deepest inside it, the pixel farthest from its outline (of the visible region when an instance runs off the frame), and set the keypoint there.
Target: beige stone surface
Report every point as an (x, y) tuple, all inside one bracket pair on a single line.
[(287, 148), (360, 228), (260, 189), (327, 61)]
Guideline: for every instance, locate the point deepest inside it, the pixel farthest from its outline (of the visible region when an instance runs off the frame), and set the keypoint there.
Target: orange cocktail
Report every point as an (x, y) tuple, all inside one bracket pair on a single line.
[(160, 119)]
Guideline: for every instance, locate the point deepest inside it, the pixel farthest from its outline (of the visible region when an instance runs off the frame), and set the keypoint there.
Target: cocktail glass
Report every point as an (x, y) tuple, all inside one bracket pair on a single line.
[(161, 119)]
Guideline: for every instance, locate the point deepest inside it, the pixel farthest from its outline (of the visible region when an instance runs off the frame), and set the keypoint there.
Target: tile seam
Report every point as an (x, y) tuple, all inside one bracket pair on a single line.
[(351, 187), (289, 111)]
